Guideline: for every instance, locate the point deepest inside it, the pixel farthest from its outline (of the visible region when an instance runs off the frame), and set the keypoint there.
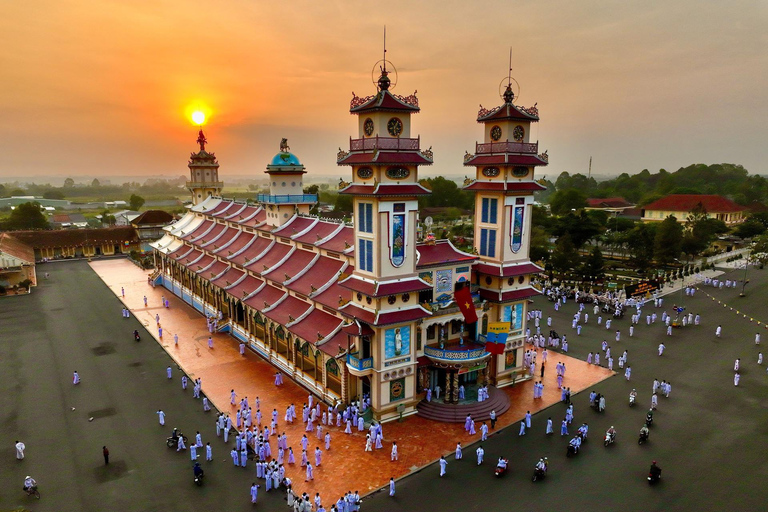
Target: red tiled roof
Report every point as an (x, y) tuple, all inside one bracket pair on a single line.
[(512, 186), (228, 278), (687, 202), (240, 216), (241, 241), (384, 100), (197, 232), (608, 202), (319, 231), (330, 296), (341, 241), (201, 264), (223, 205), (298, 261), (358, 285), (183, 250), (245, 287), (291, 307), (396, 317), (505, 159), (153, 217), (191, 257), (268, 294), (223, 209), (236, 210), (77, 237), (357, 329), (379, 289), (228, 235), (14, 247), (254, 250), (386, 157), (269, 259), (440, 253), (213, 233), (354, 311), (296, 225), (257, 220), (324, 270), (495, 296), (507, 270), (317, 324), (217, 268), (331, 347)]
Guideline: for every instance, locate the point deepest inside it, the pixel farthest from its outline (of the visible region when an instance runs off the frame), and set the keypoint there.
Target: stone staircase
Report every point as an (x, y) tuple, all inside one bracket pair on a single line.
[(456, 413)]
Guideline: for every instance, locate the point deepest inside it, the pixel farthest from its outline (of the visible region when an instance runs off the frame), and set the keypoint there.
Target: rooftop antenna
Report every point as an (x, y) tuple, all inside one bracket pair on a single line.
[(509, 76), (589, 173)]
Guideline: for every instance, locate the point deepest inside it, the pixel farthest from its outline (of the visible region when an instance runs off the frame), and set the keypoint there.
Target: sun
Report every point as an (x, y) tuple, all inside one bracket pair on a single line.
[(198, 117)]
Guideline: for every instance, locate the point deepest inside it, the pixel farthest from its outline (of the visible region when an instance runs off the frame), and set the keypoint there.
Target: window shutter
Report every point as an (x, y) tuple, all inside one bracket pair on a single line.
[(492, 244), (484, 215), (492, 207), (483, 242)]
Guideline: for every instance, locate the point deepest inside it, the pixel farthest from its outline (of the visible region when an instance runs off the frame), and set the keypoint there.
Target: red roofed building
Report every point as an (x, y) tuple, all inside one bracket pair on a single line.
[(365, 309), (680, 205), (17, 262), (609, 204)]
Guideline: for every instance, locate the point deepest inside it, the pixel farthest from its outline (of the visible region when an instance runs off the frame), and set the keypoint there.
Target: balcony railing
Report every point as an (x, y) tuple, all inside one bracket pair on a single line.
[(205, 184), (391, 143), (287, 198), (359, 364), (456, 354), (507, 147)]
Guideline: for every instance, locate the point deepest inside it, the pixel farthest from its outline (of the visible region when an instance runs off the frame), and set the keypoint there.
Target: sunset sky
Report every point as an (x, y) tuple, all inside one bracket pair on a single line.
[(104, 87)]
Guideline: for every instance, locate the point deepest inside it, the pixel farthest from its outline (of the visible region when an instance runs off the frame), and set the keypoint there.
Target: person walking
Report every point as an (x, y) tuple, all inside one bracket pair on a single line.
[(105, 452), (392, 486), (20, 447), (161, 417), (443, 464)]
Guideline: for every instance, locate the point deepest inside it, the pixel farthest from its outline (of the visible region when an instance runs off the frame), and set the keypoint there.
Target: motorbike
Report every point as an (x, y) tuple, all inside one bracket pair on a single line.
[(199, 473), (609, 438), (501, 471), (173, 441), (136, 336), (539, 474), (648, 420), (571, 451), (32, 491), (631, 400), (654, 477), (643, 437)]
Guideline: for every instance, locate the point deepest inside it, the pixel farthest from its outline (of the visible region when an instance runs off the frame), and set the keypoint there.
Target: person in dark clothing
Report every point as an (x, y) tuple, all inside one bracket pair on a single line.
[(106, 454)]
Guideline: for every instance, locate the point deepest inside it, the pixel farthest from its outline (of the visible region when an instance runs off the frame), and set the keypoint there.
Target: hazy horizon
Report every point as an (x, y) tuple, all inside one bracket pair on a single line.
[(104, 88)]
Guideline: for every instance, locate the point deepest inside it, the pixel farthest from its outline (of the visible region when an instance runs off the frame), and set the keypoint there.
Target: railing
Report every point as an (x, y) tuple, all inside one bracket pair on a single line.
[(205, 184), (359, 364), (287, 198), (377, 142), (507, 147), (455, 355)]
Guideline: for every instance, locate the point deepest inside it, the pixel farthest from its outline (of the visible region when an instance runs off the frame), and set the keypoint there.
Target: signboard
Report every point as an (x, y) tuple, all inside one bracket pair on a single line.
[(514, 315), (636, 290), (612, 286), (498, 327), (397, 342), (472, 369), (396, 390)]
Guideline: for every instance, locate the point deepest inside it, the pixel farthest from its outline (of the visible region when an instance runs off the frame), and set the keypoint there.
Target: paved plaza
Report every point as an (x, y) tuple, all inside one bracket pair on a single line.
[(708, 436)]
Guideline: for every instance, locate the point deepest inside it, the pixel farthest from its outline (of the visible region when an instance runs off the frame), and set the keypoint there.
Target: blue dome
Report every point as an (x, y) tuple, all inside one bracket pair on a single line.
[(285, 159)]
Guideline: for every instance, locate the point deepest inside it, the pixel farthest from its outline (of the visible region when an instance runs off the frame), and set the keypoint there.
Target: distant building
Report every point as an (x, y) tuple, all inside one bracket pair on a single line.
[(680, 205), (609, 204), (17, 200), (149, 227), (124, 217), (78, 243), (17, 261), (66, 221)]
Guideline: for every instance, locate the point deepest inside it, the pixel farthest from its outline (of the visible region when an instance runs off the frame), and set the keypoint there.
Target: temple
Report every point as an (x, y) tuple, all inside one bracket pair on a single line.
[(364, 309)]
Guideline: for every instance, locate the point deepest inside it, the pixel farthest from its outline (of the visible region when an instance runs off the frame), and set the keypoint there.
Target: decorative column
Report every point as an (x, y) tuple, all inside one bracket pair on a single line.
[(447, 388), (454, 387)]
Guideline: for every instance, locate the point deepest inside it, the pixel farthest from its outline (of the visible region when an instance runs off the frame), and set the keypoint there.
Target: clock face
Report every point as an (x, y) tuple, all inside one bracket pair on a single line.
[(395, 127), (495, 133), (368, 127), (518, 133)]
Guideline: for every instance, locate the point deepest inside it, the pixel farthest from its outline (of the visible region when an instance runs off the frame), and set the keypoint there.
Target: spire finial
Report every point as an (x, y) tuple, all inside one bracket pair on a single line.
[(385, 50), (201, 140)]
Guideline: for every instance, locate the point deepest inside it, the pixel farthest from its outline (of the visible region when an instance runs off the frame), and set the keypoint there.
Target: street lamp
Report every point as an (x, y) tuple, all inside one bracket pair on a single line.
[(746, 266)]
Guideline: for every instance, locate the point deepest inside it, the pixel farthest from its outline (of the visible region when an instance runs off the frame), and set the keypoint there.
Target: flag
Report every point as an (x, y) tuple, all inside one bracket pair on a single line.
[(496, 342), (463, 298)]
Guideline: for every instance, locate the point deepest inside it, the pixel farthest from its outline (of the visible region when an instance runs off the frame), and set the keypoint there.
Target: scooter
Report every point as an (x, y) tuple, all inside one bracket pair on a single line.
[(136, 336), (609, 438), (631, 400), (173, 441), (654, 477), (539, 474), (571, 451), (501, 471), (643, 437), (648, 420), (198, 476)]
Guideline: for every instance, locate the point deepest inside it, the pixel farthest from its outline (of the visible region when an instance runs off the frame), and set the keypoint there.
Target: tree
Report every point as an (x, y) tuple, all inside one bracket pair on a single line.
[(640, 244), (107, 218), (53, 194), (565, 256), (594, 266), (69, 183), (95, 183), (3, 190), (667, 244), (564, 201), (539, 244), (136, 202), (749, 228), (580, 227), (760, 249), (27, 216), (343, 203), (312, 189)]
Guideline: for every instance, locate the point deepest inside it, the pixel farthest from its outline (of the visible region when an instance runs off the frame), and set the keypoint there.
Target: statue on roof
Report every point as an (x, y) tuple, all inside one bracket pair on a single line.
[(284, 147), (201, 140)]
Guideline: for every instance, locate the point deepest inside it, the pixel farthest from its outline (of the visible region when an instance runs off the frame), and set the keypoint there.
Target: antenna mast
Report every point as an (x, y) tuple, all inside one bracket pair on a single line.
[(384, 58), (589, 173)]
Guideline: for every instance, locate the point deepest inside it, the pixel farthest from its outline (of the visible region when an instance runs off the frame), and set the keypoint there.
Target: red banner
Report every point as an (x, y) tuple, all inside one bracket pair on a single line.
[(463, 297)]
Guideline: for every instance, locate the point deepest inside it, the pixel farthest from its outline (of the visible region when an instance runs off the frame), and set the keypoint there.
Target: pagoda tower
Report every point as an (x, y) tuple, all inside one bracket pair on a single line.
[(286, 188), (204, 173), (504, 183), (385, 161)]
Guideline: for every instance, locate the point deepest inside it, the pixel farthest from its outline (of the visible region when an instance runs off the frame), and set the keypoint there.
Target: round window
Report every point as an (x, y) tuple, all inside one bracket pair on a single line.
[(511, 281), (391, 299), (283, 183), (521, 279), (398, 173), (406, 297), (293, 183), (359, 296), (274, 183), (488, 280), (491, 172), (520, 171), (368, 300), (364, 173)]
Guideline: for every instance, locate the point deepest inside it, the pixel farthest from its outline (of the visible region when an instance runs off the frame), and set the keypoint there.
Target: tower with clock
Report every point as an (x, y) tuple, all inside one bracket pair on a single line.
[(385, 159), (504, 184)]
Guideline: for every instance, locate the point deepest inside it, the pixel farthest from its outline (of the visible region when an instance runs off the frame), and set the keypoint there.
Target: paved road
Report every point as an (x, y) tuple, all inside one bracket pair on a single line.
[(72, 322), (709, 437)]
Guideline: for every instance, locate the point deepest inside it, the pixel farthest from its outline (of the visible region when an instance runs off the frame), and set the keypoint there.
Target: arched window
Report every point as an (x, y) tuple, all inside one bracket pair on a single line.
[(333, 376)]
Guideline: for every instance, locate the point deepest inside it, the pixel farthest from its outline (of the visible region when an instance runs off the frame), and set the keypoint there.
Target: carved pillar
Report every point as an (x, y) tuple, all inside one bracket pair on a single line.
[(447, 387), (454, 387)]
